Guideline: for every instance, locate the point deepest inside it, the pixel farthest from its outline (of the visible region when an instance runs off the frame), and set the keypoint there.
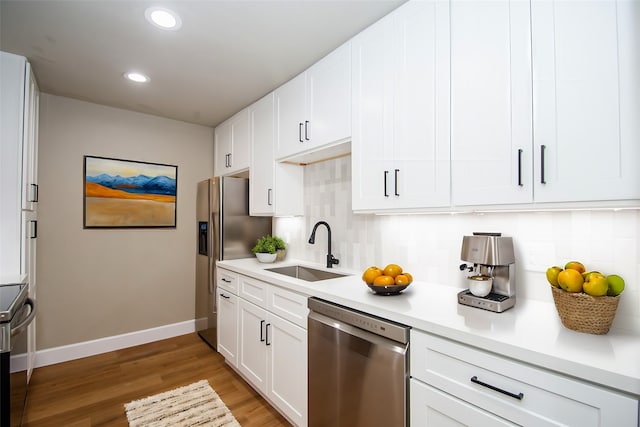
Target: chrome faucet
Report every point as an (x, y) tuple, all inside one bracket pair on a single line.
[(312, 239)]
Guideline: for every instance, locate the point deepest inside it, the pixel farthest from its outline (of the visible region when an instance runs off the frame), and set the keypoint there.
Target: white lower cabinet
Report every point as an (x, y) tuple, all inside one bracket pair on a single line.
[(453, 381), (228, 326), (272, 351)]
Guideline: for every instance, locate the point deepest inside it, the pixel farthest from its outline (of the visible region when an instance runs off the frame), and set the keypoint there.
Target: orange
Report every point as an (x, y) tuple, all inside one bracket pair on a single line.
[(402, 279), (383, 281), (410, 277), (570, 280), (392, 270), (370, 274), (575, 265)]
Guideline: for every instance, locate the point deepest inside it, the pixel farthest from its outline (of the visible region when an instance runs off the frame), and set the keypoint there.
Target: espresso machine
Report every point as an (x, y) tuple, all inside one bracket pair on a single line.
[(490, 260)]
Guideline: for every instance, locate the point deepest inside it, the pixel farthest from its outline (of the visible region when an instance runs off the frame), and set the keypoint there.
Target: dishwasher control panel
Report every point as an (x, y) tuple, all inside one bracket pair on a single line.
[(368, 322)]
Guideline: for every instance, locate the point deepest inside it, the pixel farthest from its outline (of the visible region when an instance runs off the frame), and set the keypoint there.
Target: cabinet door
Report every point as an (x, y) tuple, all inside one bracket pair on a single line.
[(287, 383), (420, 170), (372, 97), (328, 85), (223, 135), (240, 144), (431, 407), (400, 144), (491, 137), (586, 89), (11, 128), (290, 117), (252, 351), (261, 184), (228, 326), (30, 141)]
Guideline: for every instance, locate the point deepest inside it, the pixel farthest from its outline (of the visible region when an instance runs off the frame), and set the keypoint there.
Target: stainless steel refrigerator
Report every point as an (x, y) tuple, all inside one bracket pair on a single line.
[(225, 231)]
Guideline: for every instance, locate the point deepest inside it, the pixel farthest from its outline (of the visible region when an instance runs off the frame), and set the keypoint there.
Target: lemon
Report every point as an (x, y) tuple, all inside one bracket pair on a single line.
[(570, 280), (596, 285), (552, 275)]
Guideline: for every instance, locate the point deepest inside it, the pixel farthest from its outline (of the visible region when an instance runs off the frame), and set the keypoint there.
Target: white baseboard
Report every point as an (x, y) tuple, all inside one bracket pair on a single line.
[(65, 353)]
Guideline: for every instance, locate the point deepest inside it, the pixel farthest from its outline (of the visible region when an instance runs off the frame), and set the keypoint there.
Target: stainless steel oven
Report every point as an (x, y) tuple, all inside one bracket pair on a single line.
[(358, 368), (17, 310)]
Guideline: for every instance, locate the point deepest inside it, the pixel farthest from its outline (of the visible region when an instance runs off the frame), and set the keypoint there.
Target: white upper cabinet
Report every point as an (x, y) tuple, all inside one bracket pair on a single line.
[(544, 102), (314, 108), (232, 148), (274, 188), (30, 138), (400, 94), (491, 129), (586, 93)]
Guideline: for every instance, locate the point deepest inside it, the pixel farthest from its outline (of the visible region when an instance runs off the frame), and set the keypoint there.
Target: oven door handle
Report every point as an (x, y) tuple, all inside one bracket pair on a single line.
[(32, 314)]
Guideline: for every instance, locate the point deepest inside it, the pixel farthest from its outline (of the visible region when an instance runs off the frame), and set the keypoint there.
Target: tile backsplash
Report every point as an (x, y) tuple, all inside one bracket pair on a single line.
[(428, 245)]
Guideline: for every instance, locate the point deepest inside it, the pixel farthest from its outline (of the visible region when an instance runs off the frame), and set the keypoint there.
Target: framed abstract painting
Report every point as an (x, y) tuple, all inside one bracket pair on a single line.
[(129, 194)]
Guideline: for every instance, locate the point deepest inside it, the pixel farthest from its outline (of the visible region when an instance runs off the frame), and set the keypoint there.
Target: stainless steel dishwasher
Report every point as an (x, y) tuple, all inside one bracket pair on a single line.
[(358, 368)]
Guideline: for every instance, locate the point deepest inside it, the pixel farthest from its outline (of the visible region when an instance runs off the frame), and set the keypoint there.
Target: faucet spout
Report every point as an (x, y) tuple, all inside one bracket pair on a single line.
[(331, 260)]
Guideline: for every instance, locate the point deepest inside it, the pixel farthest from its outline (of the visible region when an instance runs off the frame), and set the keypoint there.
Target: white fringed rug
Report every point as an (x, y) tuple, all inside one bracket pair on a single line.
[(193, 405)]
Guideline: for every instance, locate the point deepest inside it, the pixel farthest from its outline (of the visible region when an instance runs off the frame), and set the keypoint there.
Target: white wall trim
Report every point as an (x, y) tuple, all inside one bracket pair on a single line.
[(65, 353)]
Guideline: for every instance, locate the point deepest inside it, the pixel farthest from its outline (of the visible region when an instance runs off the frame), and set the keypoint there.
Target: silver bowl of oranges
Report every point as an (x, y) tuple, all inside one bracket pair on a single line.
[(390, 280)]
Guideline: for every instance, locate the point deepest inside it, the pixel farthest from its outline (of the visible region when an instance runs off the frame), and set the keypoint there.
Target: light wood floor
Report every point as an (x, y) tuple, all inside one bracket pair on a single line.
[(92, 391)]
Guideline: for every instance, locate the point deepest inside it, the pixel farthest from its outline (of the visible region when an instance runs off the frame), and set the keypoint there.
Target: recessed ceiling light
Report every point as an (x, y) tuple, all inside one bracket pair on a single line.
[(136, 77), (163, 18)]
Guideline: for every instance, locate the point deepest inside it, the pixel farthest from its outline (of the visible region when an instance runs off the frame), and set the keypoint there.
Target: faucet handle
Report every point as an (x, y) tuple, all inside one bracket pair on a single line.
[(331, 260)]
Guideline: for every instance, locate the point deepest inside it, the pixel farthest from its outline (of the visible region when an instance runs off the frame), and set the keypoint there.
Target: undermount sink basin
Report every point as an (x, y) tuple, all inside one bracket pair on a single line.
[(306, 273)]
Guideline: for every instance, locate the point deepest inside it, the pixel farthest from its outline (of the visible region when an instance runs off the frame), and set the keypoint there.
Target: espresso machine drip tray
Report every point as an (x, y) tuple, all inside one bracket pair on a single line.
[(492, 302)]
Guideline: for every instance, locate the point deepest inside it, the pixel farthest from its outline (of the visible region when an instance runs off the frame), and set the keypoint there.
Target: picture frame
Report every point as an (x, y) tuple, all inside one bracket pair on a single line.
[(121, 193)]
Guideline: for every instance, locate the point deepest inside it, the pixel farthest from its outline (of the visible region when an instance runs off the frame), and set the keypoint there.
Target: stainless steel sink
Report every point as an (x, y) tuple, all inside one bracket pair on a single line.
[(306, 273)]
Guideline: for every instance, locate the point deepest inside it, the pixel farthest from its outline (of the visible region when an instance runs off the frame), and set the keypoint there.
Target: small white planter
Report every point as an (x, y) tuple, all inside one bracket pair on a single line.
[(266, 258)]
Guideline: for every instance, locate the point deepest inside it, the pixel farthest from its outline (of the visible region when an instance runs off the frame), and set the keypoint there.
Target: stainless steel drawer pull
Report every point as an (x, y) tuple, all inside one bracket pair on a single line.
[(519, 396), (225, 296), (226, 280)]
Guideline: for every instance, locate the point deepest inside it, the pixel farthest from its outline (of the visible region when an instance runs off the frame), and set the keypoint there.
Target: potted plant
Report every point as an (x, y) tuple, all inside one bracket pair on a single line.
[(268, 248)]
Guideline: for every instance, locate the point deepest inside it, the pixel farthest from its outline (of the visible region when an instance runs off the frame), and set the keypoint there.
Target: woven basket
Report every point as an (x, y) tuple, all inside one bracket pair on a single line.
[(584, 313)]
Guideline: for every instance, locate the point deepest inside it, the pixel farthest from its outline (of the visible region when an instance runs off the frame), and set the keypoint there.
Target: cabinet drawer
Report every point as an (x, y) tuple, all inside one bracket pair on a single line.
[(431, 407), (253, 290), (227, 280), (288, 305), (536, 396)]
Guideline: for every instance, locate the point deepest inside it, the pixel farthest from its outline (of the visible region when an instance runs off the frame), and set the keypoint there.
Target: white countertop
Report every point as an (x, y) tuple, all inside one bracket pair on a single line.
[(530, 332)]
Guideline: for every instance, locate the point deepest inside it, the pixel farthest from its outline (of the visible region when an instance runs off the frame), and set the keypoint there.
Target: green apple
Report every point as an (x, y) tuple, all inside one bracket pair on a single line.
[(616, 285), (596, 285), (552, 275)]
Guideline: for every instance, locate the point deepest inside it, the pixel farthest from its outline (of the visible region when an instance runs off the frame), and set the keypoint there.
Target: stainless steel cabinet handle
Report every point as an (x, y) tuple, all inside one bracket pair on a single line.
[(226, 280), (269, 195), (34, 187), (266, 330), (34, 229), (224, 296), (261, 334), (229, 159), (385, 183), (520, 167), (542, 150), (396, 182), (300, 132), (519, 396), (306, 130)]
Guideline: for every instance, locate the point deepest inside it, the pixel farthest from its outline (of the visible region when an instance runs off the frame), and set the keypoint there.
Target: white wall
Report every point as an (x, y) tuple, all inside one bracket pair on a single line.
[(428, 246), (95, 283)]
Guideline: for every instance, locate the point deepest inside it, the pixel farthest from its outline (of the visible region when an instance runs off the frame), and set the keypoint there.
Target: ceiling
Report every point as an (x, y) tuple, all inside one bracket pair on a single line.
[(226, 55)]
